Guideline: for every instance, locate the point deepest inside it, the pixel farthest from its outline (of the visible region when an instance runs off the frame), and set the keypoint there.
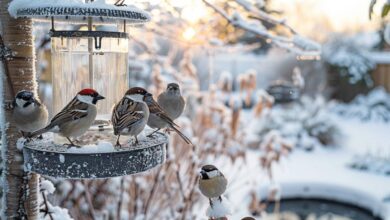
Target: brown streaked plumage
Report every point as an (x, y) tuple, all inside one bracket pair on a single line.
[(158, 119), (130, 115), (76, 117)]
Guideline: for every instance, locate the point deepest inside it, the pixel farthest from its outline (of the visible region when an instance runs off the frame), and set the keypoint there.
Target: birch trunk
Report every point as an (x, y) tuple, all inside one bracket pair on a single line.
[(17, 35)]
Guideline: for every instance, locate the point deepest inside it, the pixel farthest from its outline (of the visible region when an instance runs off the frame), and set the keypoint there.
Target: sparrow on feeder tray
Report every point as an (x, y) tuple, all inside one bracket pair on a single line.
[(212, 183), (159, 119), (28, 114), (76, 117), (171, 101), (130, 115)]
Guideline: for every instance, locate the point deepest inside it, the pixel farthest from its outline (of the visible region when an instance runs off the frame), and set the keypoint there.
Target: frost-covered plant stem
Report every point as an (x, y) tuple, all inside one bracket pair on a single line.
[(17, 35), (46, 205), (91, 210), (152, 191), (122, 188)]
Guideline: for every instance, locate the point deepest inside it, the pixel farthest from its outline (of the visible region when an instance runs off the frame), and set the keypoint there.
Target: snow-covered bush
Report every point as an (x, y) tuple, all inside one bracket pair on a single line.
[(371, 163), (375, 106), (306, 124), (349, 58)]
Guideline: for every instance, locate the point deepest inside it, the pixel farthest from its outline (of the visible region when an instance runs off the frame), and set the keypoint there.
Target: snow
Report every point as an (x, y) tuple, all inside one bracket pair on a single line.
[(326, 173), (76, 4), (375, 106), (306, 43), (219, 208), (304, 124), (346, 52), (100, 147), (379, 57), (62, 158), (48, 186)]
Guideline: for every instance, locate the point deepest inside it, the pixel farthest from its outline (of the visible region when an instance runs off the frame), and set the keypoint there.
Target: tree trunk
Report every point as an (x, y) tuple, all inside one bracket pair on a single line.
[(17, 35)]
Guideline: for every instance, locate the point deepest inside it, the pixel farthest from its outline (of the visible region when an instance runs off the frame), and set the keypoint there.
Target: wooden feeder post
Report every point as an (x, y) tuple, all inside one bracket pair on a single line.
[(17, 36)]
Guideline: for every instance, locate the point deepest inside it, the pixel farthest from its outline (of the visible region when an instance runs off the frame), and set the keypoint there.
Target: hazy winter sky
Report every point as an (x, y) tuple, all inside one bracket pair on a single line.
[(339, 15)]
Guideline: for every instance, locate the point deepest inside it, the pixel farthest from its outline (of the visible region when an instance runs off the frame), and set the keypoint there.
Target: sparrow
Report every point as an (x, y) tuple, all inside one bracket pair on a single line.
[(171, 101), (158, 119), (28, 114), (130, 115), (76, 117), (212, 183)]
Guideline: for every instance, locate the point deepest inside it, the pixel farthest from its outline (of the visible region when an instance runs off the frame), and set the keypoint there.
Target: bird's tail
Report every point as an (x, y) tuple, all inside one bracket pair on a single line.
[(185, 138), (39, 132)]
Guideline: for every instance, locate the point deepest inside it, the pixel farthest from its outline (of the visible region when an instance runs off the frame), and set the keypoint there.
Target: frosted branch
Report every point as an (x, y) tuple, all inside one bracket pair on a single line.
[(296, 44)]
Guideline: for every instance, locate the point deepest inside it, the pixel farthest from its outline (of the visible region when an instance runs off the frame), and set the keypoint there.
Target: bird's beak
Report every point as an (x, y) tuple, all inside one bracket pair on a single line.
[(99, 97), (203, 174)]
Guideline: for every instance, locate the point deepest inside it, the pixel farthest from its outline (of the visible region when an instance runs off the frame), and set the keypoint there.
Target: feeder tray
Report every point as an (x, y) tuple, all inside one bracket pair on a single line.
[(54, 160), (77, 11)]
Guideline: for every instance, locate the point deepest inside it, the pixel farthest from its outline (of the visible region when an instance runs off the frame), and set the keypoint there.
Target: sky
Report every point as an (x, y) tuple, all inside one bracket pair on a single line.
[(338, 15)]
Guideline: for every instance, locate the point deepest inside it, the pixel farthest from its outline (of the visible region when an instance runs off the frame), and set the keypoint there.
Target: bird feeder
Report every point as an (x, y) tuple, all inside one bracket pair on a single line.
[(87, 56), (92, 55)]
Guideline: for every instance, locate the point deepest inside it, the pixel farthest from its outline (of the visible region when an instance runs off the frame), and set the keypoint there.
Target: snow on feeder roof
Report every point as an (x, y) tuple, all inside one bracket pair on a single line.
[(90, 162), (77, 11)]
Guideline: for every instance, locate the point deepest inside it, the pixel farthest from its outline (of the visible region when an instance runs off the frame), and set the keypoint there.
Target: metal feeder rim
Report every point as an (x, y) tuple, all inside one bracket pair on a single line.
[(88, 153), (109, 34), (94, 165)]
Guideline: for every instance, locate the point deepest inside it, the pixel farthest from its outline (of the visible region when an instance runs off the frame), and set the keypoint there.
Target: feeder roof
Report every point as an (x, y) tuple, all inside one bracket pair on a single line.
[(77, 11)]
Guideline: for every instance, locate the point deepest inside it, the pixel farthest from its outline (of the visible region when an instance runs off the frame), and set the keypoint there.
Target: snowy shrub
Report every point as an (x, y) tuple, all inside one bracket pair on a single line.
[(306, 125), (350, 59), (374, 106), (371, 163)]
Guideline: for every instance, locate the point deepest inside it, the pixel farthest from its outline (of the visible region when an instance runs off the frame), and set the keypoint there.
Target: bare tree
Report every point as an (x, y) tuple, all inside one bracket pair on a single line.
[(19, 69)]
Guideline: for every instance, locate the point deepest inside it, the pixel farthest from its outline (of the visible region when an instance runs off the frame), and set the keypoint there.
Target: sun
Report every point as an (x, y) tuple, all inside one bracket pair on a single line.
[(189, 34)]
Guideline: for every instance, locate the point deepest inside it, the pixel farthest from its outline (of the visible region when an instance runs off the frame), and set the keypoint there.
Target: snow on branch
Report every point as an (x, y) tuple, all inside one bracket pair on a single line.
[(47, 210), (294, 43)]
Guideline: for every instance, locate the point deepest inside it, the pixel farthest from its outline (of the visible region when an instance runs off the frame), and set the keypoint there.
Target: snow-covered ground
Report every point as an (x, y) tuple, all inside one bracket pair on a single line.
[(325, 172)]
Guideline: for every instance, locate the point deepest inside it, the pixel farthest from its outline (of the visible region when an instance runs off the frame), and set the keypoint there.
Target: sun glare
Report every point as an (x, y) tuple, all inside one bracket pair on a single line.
[(189, 34), (191, 10)]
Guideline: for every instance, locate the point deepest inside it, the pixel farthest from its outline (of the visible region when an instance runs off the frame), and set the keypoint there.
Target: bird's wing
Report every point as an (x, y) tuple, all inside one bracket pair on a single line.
[(75, 110), (155, 108), (126, 113)]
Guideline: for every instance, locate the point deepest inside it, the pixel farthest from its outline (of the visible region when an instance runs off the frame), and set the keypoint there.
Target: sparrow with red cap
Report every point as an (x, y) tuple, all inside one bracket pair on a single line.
[(76, 117)]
